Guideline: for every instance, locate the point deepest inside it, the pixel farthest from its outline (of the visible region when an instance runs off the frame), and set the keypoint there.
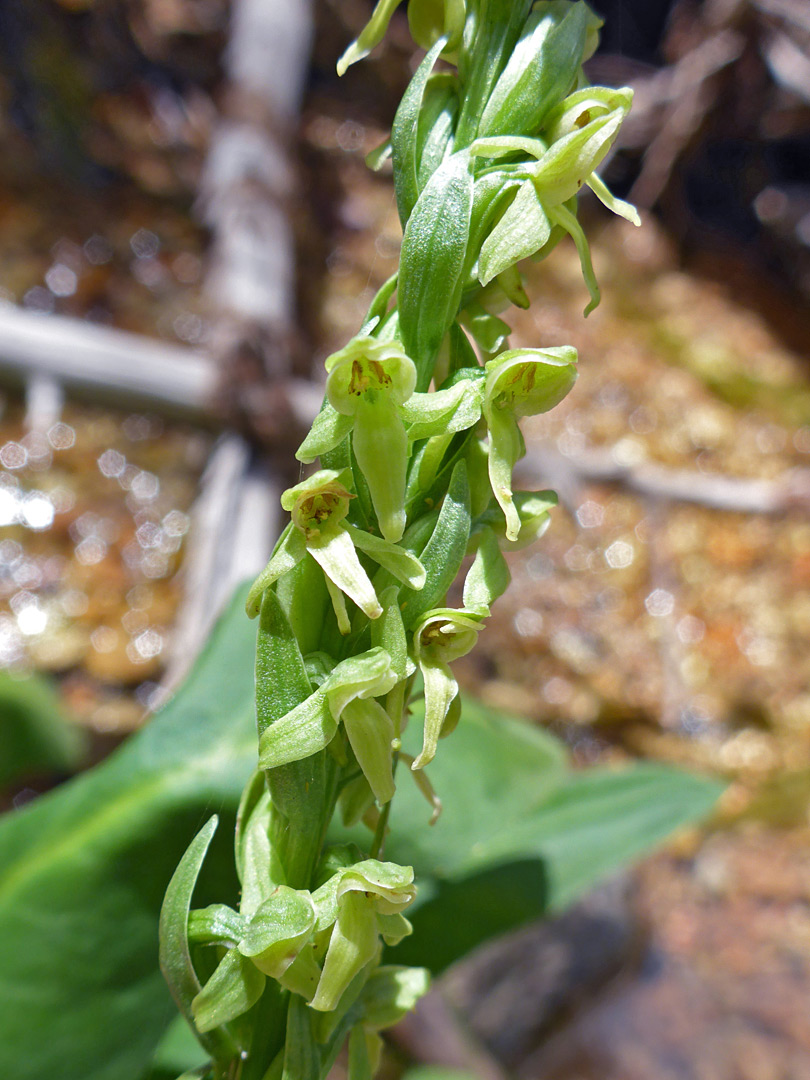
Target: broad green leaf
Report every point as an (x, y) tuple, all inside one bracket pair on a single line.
[(83, 872), (436, 125), (36, 734), (433, 251)]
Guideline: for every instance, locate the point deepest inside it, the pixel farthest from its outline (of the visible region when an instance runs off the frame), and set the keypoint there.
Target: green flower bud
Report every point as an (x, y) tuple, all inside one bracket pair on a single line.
[(441, 636), (522, 382), (369, 380)]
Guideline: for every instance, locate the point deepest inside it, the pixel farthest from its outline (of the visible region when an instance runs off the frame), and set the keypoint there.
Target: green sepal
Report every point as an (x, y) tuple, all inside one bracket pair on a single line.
[(278, 930), (370, 36), (328, 430), (370, 732), (405, 135), (391, 993), (488, 577), (393, 927), (490, 332), (444, 551), (390, 884), (175, 956), (533, 510), (541, 69), (395, 559), (522, 231), (235, 987), (290, 550), (433, 252), (303, 974), (608, 199), (562, 216), (216, 924), (302, 732), (444, 412), (431, 19)]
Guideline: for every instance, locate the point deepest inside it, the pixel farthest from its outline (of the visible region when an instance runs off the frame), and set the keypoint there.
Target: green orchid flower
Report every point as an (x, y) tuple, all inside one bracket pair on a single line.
[(319, 506), (576, 137), (361, 903), (521, 382), (368, 382), (346, 695), (441, 636)]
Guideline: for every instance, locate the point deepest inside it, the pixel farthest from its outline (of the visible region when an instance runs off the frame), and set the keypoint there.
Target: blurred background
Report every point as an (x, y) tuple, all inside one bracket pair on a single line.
[(187, 228)]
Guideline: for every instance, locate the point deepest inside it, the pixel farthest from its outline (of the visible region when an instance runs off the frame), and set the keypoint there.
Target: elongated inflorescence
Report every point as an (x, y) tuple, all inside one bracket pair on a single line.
[(416, 443)]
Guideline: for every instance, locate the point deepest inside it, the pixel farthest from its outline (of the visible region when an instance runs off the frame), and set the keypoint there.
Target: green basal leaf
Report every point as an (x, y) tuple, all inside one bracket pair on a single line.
[(541, 69), (372, 34), (444, 551), (175, 958), (278, 930), (390, 994), (433, 251), (488, 578), (522, 231), (405, 143), (235, 987), (37, 735)]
